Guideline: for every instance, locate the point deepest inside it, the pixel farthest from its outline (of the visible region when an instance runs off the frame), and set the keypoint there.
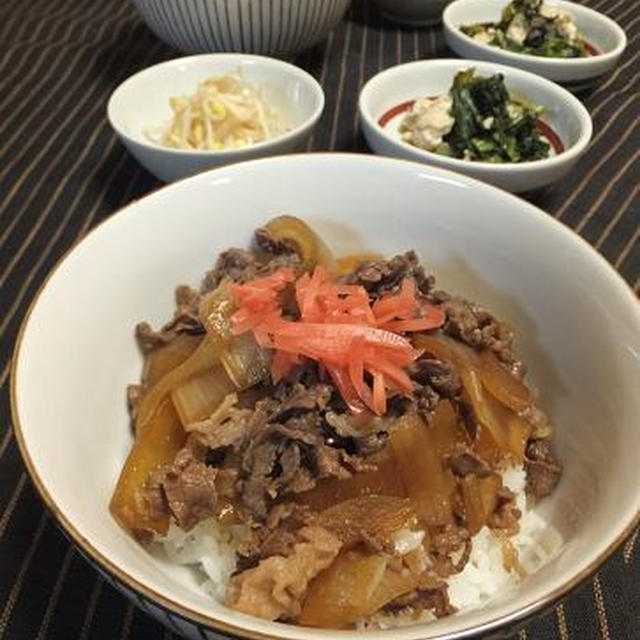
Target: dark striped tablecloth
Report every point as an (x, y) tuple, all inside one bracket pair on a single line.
[(62, 171)]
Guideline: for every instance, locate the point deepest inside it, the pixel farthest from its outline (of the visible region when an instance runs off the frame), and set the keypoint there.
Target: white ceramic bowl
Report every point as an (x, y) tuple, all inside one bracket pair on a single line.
[(142, 101), (599, 31), (277, 27), (413, 12), (564, 113), (578, 327)]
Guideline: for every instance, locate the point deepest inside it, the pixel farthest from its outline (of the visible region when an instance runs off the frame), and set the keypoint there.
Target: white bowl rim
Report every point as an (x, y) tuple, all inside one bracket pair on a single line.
[(570, 153), (576, 63), (94, 555), (240, 152)]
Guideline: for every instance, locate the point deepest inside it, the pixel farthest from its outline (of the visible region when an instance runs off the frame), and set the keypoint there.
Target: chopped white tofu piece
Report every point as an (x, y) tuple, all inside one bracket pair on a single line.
[(514, 111), (551, 13), (487, 123), (566, 26), (518, 29), (562, 20), (428, 121), (483, 36)]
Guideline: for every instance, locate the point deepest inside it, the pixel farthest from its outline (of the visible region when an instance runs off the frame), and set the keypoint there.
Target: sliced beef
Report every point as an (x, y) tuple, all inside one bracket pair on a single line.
[(347, 436), (289, 260), (399, 404), (506, 515), (230, 433), (277, 536), (383, 276), (187, 303), (185, 320), (450, 549), (259, 464), (276, 588), (478, 328), (448, 538), (272, 463), (228, 426), (289, 446), (185, 489), (423, 400), (288, 458), (241, 265), (542, 467), (465, 463), (436, 600), (433, 380), (287, 512), (190, 490), (307, 374), (439, 375), (238, 265), (427, 399), (134, 397), (154, 496), (272, 245), (298, 399), (226, 483)]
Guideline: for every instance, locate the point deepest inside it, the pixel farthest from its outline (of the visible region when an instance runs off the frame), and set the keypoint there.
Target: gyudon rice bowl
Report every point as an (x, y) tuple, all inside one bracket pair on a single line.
[(358, 447), (576, 327)]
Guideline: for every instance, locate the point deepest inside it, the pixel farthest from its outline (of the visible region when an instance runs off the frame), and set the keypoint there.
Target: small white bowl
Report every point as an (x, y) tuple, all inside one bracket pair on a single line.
[(599, 31), (142, 102), (564, 113), (416, 13), (274, 28)]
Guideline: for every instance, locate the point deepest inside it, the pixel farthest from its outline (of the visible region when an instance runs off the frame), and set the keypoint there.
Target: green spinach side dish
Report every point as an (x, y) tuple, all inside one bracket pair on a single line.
[(485, 122), (531, 27)]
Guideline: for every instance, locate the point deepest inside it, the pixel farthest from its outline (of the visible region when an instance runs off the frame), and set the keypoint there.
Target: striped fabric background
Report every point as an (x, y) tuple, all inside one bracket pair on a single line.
[(62, 171)]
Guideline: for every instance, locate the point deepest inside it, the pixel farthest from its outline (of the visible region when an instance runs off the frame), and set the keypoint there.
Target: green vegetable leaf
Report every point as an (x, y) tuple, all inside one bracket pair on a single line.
[(485, 128)]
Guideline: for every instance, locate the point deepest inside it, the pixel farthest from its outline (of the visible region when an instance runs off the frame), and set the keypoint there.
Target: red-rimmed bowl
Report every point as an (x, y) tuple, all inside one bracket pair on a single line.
[(388, 92)]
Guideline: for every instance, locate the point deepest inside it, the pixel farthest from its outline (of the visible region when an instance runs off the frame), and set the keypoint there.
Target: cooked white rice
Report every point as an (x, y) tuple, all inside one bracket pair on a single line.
[(209, 550), (484, 575)]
